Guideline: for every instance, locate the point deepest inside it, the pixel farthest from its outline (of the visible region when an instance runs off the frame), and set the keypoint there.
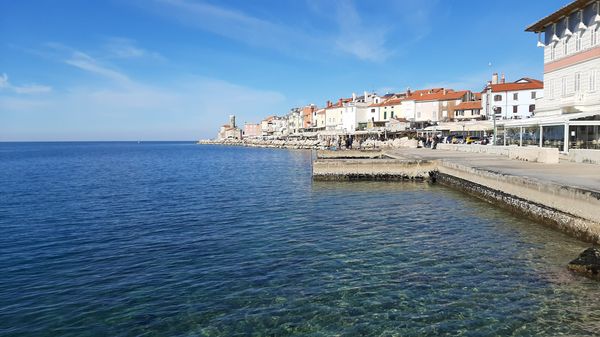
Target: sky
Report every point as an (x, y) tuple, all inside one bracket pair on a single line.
[(176, 69)]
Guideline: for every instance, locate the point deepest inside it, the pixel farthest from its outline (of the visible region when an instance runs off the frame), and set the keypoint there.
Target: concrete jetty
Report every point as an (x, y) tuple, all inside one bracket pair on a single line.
[(564, 195)]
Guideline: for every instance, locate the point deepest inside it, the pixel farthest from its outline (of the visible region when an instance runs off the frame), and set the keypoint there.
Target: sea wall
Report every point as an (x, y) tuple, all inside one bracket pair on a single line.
[(531, 153), (350, 154), (584, 156), (571, 210), (371, 169)]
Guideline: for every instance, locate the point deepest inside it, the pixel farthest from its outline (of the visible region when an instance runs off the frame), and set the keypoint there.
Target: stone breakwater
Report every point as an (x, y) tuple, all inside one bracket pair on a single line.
[(290, 143)]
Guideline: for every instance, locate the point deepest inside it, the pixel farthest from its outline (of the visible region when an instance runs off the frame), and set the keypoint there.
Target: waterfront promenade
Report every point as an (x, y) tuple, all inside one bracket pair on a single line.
[(566, 173)]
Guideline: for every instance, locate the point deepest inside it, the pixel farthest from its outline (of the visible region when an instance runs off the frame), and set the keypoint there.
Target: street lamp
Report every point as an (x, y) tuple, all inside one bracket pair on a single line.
[(494, 109)]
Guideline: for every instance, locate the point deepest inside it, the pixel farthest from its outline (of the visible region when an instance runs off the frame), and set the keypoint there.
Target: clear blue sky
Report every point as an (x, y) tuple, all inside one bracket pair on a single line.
[(175, 69)]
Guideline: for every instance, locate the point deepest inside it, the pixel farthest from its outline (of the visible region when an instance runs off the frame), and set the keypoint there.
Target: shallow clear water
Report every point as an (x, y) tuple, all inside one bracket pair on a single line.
[(176, 239)]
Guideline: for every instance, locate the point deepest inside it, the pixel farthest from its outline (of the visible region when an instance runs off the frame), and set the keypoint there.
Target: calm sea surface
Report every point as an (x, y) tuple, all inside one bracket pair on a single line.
[(176, 239)]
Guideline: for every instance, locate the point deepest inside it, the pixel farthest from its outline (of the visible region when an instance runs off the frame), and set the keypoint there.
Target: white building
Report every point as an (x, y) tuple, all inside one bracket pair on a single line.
[(350, 114), (516, 100), (437, 105), (334, 116), (294, 121), (568, 116), (274, 126), (466, 111)]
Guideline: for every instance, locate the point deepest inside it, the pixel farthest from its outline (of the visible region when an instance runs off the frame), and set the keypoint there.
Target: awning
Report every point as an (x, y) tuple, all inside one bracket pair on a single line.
[(547, 120)]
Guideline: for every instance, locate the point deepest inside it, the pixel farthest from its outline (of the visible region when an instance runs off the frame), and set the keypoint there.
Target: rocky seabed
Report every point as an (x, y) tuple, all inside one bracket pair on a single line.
[(313, 144)]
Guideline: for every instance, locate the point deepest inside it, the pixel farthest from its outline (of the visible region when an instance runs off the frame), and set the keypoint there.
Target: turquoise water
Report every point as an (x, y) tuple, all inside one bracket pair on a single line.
[(177, 239)]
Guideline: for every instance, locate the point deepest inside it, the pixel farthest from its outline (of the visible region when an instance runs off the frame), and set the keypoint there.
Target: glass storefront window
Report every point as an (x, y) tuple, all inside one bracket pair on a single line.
[(553, 136), (584, 137), (531, 136), (513, 136)]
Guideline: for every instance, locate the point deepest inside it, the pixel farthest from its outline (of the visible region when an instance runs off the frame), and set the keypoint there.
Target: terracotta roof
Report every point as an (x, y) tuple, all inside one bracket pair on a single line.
[(468, 105), (528, 84), (338, 105), (389, 102), (557, 15), (438, 95)]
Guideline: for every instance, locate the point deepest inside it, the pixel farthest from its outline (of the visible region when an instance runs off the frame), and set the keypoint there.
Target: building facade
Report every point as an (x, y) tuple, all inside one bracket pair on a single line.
[(516, 100), (568, 114), (468, 111), (252, 130)]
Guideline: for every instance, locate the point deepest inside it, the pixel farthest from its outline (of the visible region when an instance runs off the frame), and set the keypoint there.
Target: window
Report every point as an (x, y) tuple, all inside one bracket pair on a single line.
[(497, 98), (498, 110), (533, 94), (553, 52), (515, 109), (565, 47), (372, 110), (563, 86), (532, 108), (391, 114), (516, 96), (385, 115), (476, 112), (578, 41), (577, 82), (592, 86), (594, 35)]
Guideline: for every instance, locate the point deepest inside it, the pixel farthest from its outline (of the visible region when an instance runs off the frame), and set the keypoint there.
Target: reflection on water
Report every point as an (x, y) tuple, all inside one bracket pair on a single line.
[(172, 239)]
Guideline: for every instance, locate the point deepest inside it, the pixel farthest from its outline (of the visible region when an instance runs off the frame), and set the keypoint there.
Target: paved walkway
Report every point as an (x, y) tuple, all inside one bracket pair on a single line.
[(583, 176)]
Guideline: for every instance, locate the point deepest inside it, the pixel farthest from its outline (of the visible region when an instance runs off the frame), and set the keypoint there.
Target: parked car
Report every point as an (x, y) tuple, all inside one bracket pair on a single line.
[(473, 140), (458, 139), (448, 139)]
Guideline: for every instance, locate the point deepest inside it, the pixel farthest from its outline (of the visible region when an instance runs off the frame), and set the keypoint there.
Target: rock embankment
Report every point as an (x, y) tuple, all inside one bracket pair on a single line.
[(404, 142), (587, 264), (274, 143)]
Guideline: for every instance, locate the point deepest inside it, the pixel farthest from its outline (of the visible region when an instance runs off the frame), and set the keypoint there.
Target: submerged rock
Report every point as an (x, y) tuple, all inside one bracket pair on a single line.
[(587, 264)]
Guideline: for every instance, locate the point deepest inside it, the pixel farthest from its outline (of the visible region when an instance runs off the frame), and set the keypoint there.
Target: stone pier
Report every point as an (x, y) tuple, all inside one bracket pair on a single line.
[(563, 195)]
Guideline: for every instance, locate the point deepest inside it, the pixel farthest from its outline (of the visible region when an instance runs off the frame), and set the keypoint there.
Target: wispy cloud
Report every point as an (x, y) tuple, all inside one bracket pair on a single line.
[(125, 107), (232, 24), (356, 38), (22, 89), (85, 62), (351, 34), (123, 48)]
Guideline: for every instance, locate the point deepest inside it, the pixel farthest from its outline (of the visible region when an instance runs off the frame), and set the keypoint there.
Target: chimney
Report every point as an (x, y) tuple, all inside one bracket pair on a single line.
[(502, 79), (408, 91), (340, 102), (495, 78), (365, 93), (328, 104), (354, 96), (444, 92)]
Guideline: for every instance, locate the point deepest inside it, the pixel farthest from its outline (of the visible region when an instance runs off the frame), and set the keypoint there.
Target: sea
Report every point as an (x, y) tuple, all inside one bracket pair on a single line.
[(179, 239)]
